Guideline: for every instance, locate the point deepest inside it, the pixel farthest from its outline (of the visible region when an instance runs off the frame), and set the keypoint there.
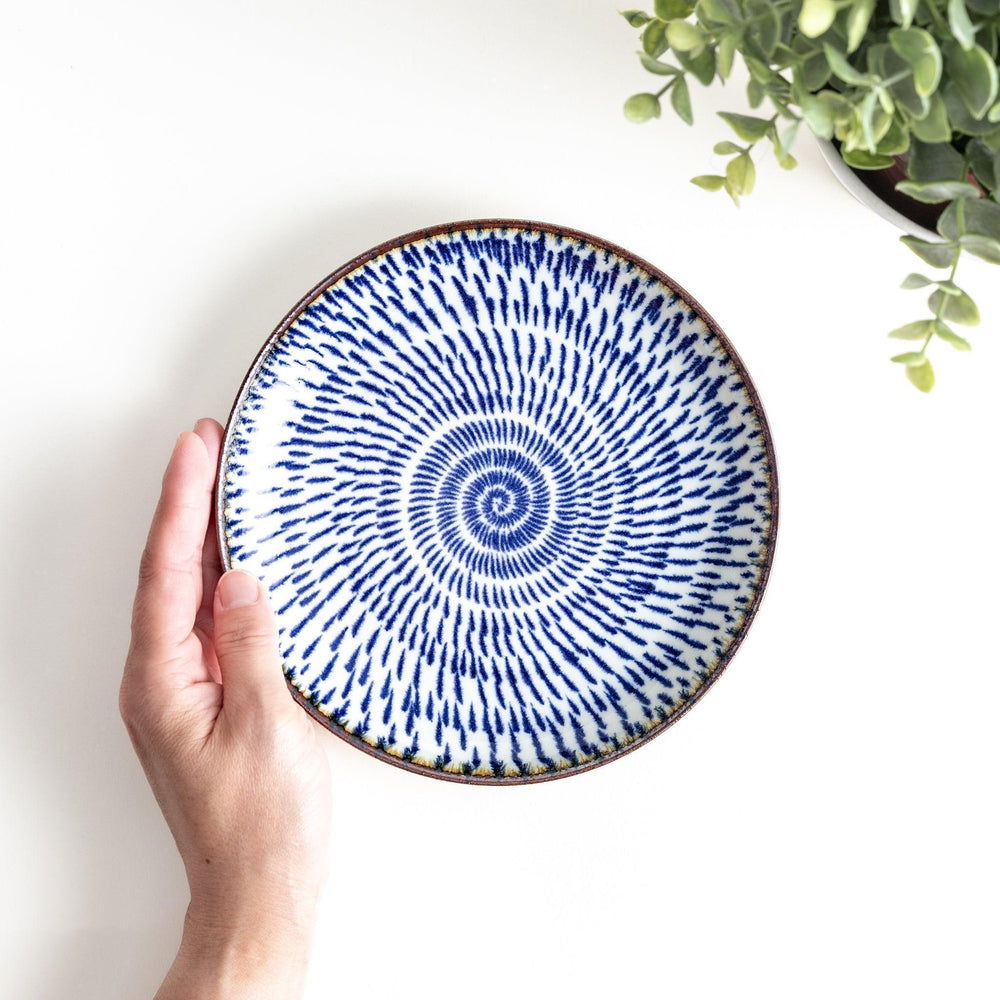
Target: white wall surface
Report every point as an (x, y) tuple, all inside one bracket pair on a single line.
[(823, 824)]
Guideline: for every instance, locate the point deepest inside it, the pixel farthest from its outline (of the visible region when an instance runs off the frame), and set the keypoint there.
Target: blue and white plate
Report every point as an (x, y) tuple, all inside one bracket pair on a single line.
[(512, 494)]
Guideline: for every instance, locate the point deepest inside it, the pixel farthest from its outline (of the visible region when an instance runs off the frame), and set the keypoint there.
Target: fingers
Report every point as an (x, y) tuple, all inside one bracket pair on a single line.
[(170, 573), (246, 645), (204, 622), (210, 431)]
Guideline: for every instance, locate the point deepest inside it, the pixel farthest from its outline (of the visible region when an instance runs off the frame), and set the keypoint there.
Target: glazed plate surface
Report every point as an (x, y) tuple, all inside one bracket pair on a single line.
[(513, 497)]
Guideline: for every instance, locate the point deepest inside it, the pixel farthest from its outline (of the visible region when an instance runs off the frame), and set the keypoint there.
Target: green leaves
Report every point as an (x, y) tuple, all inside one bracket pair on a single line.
[(641, 107), (654, 39), (637, 18), (667, 10), (740, 176), (861, 159), (919, 330), (974, 73), (816, 17), (922, 375), (700, 64), (946, 302), (938, 161), (956, 306), (787, 140), (935, 254), (843, 69), (901, 78), (823, 111), (934, 192), (961, 26), (963, 122), (657, 67), (918, 48), (710, 182), (983, 247), (985, 164), (724, 12), (903, 11), (947, 334), (897, 76), (918, 368), (896, 139), (782, 145), (684, 37), (813, 74), (967, 216), (875, 121), (680, 100), (763, 25), (858, 16), (934, 126), (724, 55), (748, 128)]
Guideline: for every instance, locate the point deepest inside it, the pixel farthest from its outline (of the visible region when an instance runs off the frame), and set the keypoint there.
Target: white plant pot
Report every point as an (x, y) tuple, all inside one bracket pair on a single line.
[(849, 179)]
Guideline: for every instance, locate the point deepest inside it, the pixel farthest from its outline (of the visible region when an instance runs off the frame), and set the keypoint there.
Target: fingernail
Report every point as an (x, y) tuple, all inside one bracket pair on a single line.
[(238, 590)]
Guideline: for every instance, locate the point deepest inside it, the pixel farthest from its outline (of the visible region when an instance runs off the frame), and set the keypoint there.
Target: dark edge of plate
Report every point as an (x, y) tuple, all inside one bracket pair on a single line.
[(517, 225)]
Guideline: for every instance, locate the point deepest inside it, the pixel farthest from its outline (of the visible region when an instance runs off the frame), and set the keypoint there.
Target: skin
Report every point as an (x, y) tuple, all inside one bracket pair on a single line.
[(238, 769)]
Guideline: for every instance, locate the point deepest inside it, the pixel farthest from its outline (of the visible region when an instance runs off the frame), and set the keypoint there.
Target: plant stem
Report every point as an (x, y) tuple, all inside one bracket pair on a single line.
[(941, 304), (938, 21), (960, 227), (895, 78)]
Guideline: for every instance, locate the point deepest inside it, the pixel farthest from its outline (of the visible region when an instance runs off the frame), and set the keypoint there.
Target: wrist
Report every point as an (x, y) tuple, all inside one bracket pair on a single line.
[(255, 954)]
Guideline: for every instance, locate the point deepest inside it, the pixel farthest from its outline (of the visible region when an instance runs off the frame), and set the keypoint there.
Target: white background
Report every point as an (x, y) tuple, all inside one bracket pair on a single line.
[(823, 824)]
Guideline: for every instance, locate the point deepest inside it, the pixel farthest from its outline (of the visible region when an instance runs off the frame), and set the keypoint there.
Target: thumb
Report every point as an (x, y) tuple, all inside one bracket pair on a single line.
[(246, 646)]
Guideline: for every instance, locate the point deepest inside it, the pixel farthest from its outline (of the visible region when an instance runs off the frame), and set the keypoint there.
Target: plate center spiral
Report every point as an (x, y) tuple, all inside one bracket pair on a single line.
[(495, 499), (504, 499)]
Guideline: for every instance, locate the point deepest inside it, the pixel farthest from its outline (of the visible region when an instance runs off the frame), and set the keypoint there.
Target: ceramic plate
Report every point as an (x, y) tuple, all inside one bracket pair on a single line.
[(512, 494)]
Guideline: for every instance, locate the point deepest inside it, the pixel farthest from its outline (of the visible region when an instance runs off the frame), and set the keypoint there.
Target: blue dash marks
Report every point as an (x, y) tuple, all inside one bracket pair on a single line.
[(511, 499)]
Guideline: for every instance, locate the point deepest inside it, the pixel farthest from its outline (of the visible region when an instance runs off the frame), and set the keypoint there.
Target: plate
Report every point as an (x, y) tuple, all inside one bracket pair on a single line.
[(512, 494)]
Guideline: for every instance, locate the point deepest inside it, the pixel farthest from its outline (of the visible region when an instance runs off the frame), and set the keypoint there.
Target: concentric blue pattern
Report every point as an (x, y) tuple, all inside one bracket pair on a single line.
[(511, 497)]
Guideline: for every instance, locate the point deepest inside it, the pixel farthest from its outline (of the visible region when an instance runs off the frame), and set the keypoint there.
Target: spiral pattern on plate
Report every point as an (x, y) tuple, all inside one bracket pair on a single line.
[(511, 497)]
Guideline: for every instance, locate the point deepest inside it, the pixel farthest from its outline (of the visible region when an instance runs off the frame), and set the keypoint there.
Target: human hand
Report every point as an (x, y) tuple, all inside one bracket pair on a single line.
[(236, 766)]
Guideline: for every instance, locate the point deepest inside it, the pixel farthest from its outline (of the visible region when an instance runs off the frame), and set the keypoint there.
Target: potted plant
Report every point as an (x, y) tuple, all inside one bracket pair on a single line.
[(910, 85)]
